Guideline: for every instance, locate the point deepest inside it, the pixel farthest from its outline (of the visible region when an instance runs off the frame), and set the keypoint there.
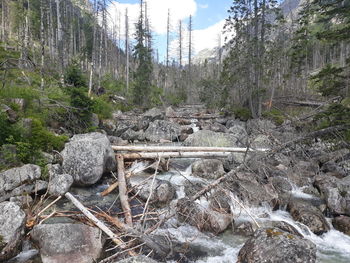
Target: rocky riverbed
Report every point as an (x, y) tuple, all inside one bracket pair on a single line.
[(290, 204)]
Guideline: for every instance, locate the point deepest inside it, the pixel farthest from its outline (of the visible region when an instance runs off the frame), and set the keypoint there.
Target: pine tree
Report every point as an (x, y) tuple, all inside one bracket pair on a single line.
[(143, 56)]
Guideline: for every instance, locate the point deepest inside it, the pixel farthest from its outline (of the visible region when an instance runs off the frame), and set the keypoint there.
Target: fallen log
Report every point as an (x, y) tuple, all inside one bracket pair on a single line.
[(155, 155), (97, 222), (123, 193), (199, 117), (160, 149)]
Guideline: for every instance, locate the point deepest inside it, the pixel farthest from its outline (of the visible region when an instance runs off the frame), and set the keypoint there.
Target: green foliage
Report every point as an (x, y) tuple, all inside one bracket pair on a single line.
[(102, 108), (243, 114), (7, 130), (330, 81), (74, 76), (274, 115), (335, 114)]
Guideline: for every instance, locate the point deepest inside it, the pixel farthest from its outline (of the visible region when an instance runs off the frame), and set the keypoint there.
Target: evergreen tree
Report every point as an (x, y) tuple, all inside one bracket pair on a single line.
[(143, 56)]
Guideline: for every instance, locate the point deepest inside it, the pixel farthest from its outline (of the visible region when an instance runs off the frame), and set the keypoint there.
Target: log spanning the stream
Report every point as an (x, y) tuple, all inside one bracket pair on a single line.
[(183, 149)]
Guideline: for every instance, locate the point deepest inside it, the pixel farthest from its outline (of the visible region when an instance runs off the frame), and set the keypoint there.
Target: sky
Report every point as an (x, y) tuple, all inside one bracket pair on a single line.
[(208, 20)]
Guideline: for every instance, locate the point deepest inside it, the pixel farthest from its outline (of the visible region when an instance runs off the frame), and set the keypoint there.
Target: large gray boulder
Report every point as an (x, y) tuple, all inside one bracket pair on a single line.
[(74, 243), (208, 168), (59, 183), (309, 216), (342, 223), (162, 191), (210, 138), (336, 193), (87, 156), (276, 245), (161, 130), (12, 220), (15, 177), (205, 219), (12, 224), (153, 114)]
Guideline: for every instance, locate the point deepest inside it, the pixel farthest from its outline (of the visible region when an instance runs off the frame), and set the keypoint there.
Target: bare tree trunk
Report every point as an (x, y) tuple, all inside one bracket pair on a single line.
[(123, 193), (180, 43), (127, 48), (42, 38)]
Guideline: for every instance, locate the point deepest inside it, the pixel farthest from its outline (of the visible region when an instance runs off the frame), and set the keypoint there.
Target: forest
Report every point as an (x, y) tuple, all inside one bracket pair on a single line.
[(64, 65), (235, 154)]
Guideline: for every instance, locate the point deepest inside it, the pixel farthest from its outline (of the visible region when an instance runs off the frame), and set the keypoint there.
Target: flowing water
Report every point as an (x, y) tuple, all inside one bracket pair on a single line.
[(332, 246)]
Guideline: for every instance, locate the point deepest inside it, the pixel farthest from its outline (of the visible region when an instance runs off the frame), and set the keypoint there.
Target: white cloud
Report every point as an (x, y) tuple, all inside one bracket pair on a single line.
[(157, 10), (203, 6), (208, 37)]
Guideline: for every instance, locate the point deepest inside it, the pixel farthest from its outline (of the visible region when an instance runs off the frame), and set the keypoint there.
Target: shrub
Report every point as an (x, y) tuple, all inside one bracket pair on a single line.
[(274, 115), (243, 114)]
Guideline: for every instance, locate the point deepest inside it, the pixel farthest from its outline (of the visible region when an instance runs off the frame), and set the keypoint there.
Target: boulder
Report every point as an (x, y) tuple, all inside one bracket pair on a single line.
[(203, 218), (162, 191), (342, 223), (240, 133), (59, 184), (261, 141), (161, 130), (75, 243), (308, 215), (12, 178), (131, 135), (123, 125), (208, 168), (169, 112), (281, 184), (12, 224), (117, 140), (153, 114), (260, 126), (333, 169), (277, 245), (215, 127), (108, 126), (12, 221), (87, 156), (137, 259), (336, 193), (248, 190), (210, 138)]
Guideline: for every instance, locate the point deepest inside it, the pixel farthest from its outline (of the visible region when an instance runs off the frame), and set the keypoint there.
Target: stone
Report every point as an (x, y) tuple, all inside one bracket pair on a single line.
[(161, 130), (208, 168), (261, 141), (240, 133), (74, 243), (281, 184), (153, 114), (275, 245), (162, 191), (169, 112), (342, 223), (308, 215), (12, 178), (260, 126), (137, 259), (248, 190), (336, 193), (211, 139), (109, 126), (12, 220), (117, 141), (59, 184), (215, 127), (204, 219), (87, 156), (23, 201), (131, 135), (333, 169)]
